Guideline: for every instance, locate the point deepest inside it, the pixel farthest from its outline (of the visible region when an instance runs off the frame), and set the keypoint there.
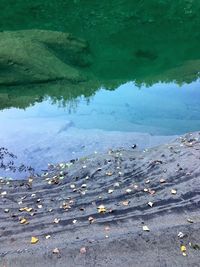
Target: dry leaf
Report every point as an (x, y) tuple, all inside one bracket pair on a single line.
[(101, 209), (110, 191), (150, 204), (146, 228), (56, 220), (162, 181), (173, 191), (34, 240), (56, 251), (128, 190), (83, 250), (23, 221), (181, 235), (91, 219), (183, 248), (26, 209), (126, 202)]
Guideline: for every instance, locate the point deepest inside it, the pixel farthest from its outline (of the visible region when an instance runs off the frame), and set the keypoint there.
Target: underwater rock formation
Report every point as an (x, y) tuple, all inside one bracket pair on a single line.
[(34, 56)]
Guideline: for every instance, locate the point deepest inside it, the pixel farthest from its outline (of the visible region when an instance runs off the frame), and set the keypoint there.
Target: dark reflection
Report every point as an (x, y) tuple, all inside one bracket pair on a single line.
[(146, 41)]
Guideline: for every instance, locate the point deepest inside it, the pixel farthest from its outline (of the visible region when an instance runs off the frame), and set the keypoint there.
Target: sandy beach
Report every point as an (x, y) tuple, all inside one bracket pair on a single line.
[(124, 208)]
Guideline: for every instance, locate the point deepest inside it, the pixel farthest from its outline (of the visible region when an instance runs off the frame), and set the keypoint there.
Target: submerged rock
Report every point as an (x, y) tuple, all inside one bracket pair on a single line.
[(36, 56)]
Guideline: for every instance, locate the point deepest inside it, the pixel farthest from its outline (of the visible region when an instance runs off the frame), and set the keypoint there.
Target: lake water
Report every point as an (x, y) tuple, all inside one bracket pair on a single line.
[(141, 87)]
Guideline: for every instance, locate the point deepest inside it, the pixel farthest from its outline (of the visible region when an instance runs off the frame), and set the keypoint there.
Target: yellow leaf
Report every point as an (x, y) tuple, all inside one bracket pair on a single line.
[(26, 209), (183, 248), (34, 240), (101, 209), (23, 221)]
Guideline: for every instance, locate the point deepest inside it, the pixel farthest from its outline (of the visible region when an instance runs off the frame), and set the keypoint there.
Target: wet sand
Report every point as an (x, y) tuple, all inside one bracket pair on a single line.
[(122, 208)]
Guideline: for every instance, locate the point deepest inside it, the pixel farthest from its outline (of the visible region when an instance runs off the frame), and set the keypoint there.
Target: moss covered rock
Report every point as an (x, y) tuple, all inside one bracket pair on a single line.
[(35, 56)]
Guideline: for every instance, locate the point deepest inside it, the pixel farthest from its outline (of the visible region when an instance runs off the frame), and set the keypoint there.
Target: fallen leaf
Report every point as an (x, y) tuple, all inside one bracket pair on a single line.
[(190, 220), (183, 248), (56, 220), (126, 202), (162, 181), (110, 191), (128, 190), (23, 221), (146, 228), (26, 209), (47, 236), (34, 240), (181, 235), (173, 191), (101, 209), (109, 173), (150, 204), (83, 250), (91, 219), (56, 251)]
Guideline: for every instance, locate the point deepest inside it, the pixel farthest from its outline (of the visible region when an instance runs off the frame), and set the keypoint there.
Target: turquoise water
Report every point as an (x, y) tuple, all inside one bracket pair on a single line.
[(49, 132)]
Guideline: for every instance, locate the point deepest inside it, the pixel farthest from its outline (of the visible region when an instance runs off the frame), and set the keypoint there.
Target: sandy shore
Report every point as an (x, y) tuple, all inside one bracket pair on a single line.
[(123, 208)]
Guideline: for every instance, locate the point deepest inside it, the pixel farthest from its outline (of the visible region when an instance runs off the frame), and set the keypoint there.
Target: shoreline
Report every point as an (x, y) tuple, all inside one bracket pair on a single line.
[(124, 208)]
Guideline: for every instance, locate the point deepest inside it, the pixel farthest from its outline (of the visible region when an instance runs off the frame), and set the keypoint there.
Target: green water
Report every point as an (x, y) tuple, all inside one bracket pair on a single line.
[(140, 72)]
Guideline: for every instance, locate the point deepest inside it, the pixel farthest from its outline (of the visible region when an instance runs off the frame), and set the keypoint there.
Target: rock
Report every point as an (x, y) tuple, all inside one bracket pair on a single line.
[(38, 56)]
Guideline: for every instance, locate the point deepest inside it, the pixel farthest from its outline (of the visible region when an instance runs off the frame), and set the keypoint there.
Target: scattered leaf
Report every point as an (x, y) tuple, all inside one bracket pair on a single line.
[(173, 191), (183, 248), (23, 221), (56, 251), (126, 202), (150, 204), (181, 235), (91, 219), (146, 228), (110, 191), (128, 190), (56, 220), (34, 240), (162, 180), (83, 250), (101, 209), (26, 209)]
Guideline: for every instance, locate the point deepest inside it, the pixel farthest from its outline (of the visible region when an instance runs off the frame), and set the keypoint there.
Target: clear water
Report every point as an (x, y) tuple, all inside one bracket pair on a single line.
[(142, 82)]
